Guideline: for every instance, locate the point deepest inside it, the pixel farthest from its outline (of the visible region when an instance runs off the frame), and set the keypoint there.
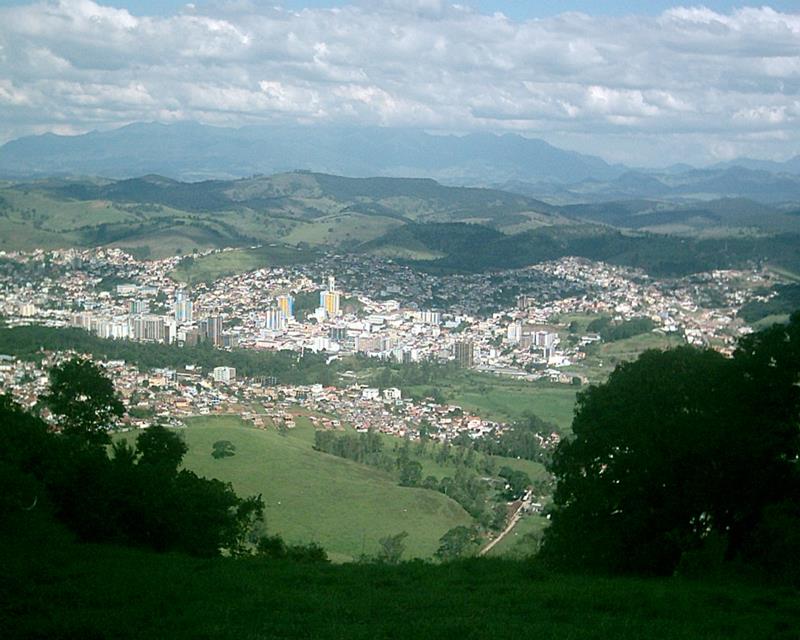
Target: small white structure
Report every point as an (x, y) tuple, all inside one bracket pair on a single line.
[(370, 393), (392, 393)]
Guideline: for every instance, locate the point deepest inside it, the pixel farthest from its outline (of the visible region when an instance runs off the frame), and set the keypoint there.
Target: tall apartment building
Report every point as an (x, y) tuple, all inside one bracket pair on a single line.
[(275, 319), (330, 299), (138, 306), (224, 374), (211, 329), (430, 317), (148, 328), (183, 308), (464, 352)]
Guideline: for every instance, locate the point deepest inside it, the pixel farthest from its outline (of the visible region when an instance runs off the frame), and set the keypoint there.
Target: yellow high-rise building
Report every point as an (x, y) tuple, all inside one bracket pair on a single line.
[(286, 304), (331, 301)]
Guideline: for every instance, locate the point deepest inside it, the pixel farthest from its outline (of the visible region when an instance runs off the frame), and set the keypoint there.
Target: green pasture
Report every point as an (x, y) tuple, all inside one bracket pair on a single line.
[(341, 228), (509, 401), (226, 263), (311, 496), (516, 544)]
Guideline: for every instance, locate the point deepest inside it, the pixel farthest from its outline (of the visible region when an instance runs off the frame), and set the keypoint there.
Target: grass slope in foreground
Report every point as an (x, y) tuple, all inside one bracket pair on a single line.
[(52, 588), (311, 496)]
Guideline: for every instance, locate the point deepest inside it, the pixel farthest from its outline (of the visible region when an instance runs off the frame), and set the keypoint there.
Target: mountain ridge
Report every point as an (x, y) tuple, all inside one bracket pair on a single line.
[(191, 151)]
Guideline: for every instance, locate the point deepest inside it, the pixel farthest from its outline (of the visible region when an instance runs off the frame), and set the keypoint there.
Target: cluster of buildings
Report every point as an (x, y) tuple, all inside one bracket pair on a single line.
[(167, 395), (379, 308), (137, 321)]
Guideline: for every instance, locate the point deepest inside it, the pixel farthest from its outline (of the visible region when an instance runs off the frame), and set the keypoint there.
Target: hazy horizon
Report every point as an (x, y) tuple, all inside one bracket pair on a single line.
[(660, 85)]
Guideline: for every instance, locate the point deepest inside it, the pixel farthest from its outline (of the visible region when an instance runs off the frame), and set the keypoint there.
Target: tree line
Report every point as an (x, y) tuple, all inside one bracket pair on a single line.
[(287, 367), (468, 486), (611, 332), (117, 492)]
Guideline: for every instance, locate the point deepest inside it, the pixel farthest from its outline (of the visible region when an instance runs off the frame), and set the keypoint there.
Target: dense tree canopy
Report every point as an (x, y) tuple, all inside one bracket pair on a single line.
[(135, 496), (285, 366), (675, 447), (84, 400)]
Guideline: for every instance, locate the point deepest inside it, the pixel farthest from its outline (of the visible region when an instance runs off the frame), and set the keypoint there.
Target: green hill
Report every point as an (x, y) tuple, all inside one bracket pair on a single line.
[(462, 248), (53, 588), (312, 496), (440, 228), (160, 217), (219, 264)]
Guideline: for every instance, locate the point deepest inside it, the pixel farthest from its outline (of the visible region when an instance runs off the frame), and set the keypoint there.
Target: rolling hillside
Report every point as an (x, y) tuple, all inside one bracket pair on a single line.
[(53, 587), (158, 216), (438, 228), (311, 496)]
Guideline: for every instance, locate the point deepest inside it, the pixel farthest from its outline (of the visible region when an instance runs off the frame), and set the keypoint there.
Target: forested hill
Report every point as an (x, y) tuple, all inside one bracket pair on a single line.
[(298, 194), (460, 248)]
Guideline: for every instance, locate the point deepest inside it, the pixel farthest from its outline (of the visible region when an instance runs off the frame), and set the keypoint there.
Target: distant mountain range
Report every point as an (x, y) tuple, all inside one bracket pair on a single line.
[(686, 186), (193, 152), (190, 151), (790, 166)]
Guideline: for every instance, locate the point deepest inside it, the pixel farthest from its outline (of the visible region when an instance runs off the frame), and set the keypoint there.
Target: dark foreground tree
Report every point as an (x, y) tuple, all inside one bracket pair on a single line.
[(23, 457), (136, 496), (674, 448), (83, 400), (158, 446)]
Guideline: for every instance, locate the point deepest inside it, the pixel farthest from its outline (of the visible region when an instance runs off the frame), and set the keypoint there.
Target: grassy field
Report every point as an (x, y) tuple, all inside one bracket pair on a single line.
[(166, 242), (16, 235), (404, 253), (631, 348), (780, 318), (502, 399), (312, 496), (607, 355), (225, 263), (787, 274), (510, 401), (341, 227), (60, 215), (53, 588)]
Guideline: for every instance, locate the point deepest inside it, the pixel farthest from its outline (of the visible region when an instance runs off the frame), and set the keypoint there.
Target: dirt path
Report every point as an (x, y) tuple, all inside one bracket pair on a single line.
[(511, 524)]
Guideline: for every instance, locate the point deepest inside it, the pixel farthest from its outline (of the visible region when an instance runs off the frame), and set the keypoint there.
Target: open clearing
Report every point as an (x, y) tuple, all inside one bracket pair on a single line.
[(226, 263), (311, 496)]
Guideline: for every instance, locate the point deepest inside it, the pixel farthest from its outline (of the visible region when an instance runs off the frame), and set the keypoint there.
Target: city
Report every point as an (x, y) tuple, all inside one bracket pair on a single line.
[(545, 334)]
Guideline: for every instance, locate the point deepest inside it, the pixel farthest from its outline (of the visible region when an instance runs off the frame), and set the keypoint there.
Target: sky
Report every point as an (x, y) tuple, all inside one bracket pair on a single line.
[(660, 84)]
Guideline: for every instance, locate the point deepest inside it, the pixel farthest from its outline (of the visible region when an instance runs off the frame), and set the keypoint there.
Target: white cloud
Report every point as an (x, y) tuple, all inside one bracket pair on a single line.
[(688, 81)]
